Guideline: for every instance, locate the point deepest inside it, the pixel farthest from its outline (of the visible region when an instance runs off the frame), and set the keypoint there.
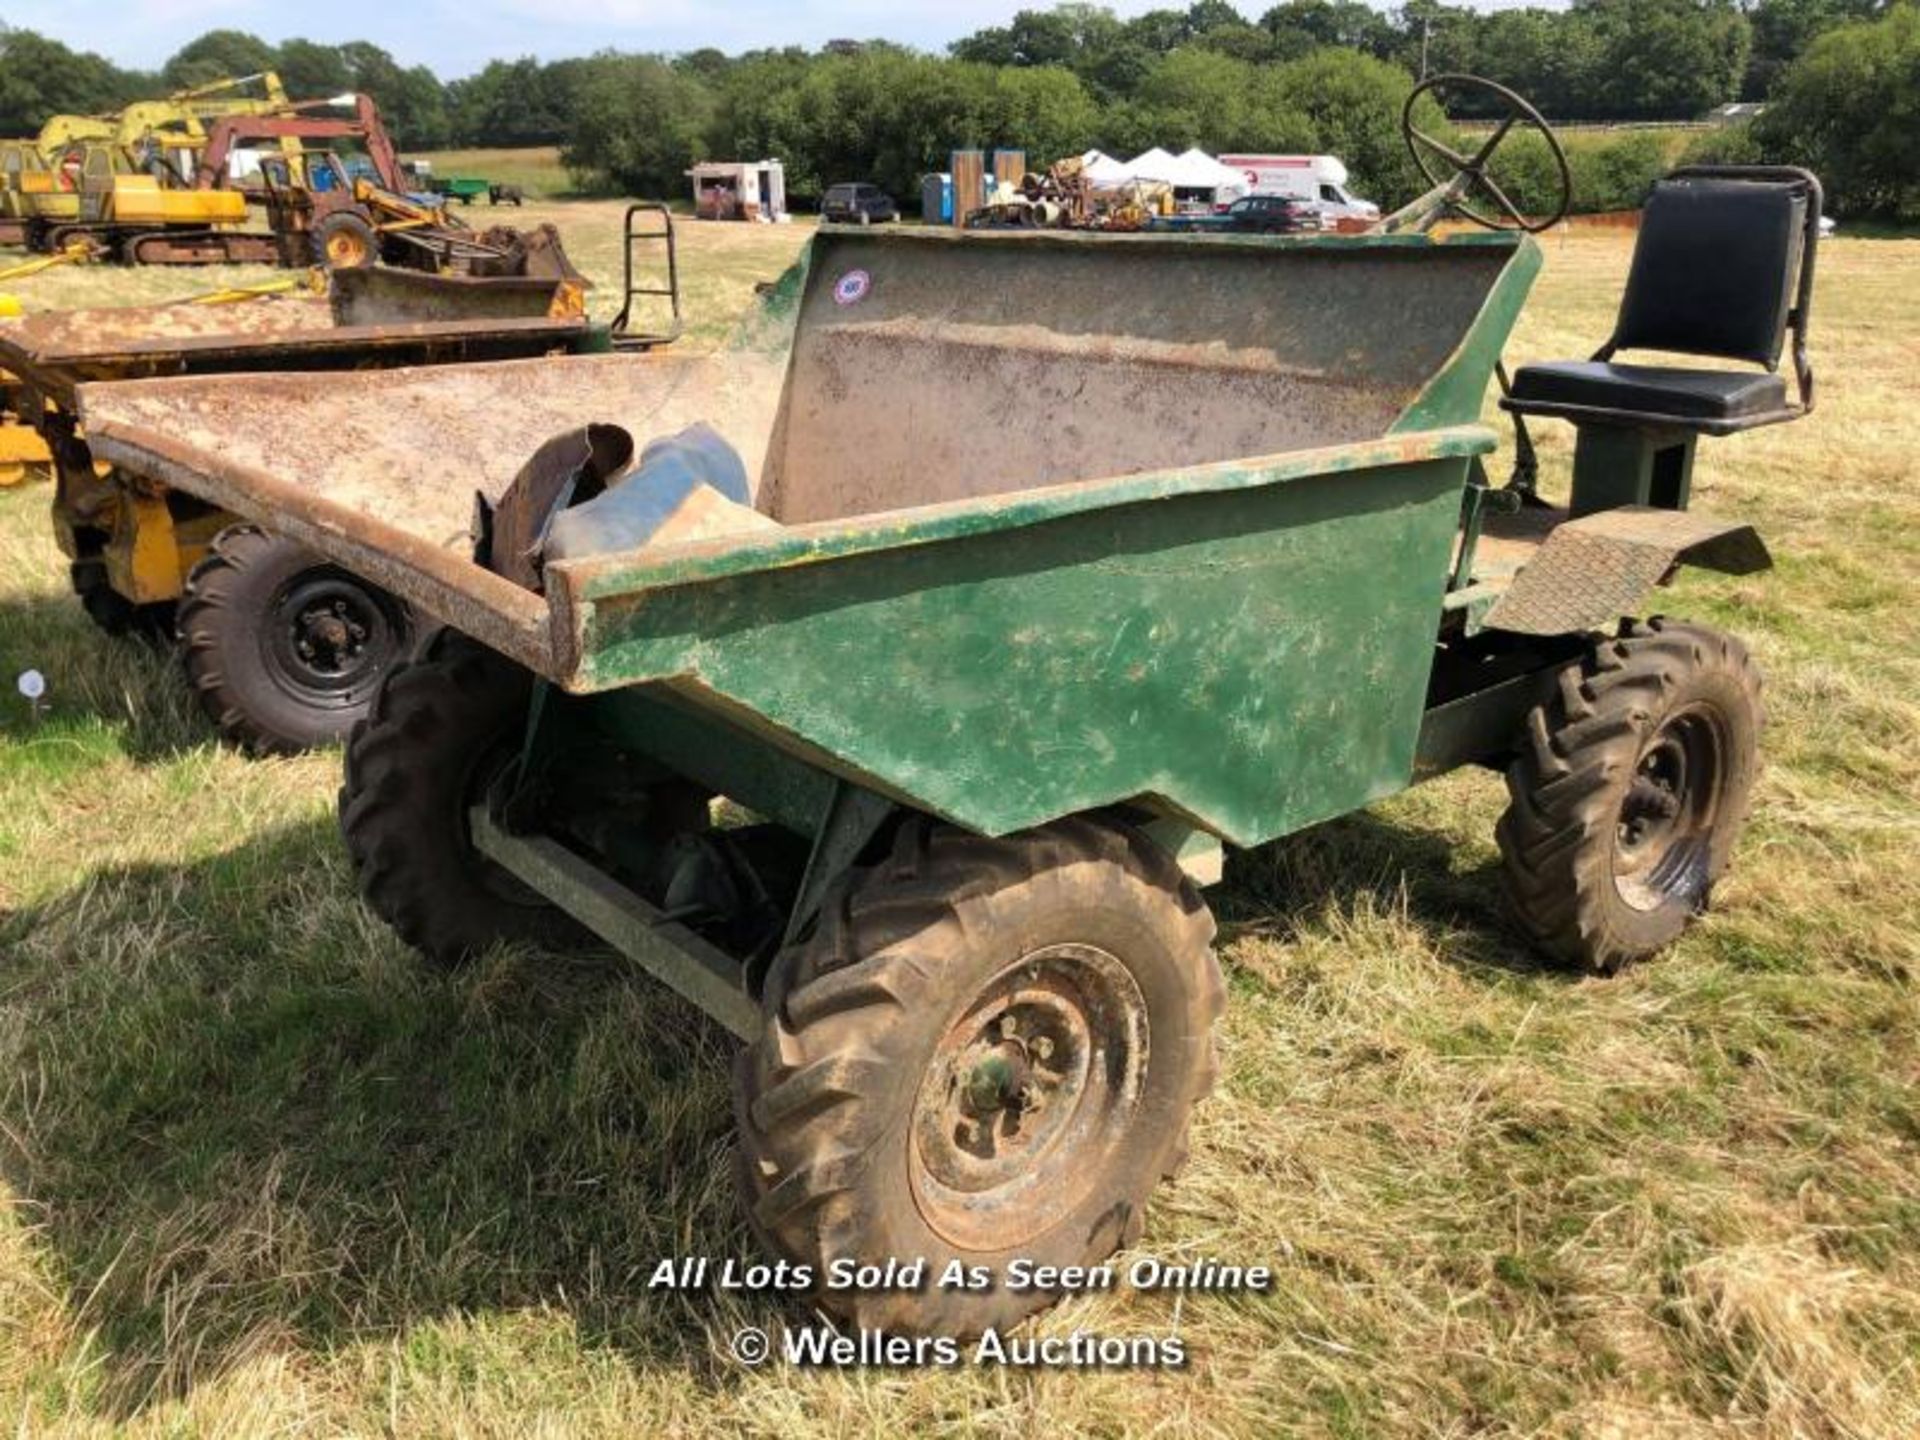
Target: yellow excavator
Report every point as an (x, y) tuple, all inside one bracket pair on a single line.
[(29, 185), (135, 180)]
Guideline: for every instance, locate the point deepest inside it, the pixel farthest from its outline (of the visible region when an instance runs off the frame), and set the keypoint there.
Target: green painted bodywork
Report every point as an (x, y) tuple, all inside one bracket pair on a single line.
[(1243, 643)]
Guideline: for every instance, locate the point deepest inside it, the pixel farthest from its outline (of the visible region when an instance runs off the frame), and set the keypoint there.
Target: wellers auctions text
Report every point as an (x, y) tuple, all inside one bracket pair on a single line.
[(697, 1273), (818, 1346)]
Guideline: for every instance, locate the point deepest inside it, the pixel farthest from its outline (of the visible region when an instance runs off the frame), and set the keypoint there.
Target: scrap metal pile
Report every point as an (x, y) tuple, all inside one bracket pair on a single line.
[(1064, 198)]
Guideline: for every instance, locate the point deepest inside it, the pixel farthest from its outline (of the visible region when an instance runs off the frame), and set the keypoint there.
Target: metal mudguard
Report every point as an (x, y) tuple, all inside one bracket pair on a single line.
[(1593, 570)]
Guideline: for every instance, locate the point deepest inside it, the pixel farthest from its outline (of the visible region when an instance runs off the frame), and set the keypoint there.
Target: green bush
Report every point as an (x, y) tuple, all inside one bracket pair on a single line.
[(1726, 145), (1608, 173), (637, 127), (1849, 110)]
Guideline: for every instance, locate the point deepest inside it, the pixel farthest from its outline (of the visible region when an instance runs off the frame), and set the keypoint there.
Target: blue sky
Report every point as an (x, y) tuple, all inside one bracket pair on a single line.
[(457, 37)]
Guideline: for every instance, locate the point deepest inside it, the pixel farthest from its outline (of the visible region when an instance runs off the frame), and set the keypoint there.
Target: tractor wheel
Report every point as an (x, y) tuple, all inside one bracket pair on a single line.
[(987, 1050), (283, 649), (345, 241), (438, 733), (113, 613), (1629, 792)]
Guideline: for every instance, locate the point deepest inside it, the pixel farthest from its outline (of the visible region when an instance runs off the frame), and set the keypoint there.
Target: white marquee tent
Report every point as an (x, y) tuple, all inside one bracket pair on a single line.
[(1194, 170), (1155, 164), (1104, 172), (1200, 171)]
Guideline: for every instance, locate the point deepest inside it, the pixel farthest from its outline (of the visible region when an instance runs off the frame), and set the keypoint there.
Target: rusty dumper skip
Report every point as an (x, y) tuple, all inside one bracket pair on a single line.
[(1070, 560)]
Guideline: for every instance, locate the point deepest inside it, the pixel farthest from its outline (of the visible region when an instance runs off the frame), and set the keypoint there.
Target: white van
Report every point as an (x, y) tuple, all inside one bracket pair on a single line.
[(1319, 181)]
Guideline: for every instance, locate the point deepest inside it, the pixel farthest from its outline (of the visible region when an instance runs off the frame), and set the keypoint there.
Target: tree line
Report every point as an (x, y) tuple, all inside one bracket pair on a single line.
[(1306, 74)]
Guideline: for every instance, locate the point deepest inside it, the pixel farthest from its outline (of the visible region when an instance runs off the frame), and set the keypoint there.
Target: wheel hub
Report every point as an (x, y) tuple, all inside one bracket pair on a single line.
[(1668, 812), (1029, 1087), (330, 637)]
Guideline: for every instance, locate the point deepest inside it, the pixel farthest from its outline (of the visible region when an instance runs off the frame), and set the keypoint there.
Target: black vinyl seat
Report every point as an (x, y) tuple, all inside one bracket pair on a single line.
[(1722, 268), (1704, 399)]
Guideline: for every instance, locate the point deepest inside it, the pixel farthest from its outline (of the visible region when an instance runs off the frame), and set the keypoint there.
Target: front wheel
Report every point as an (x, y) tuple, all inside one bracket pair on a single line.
[(345, 241), (282, 648), (439, 732), (1629, 791), (987, 1051)]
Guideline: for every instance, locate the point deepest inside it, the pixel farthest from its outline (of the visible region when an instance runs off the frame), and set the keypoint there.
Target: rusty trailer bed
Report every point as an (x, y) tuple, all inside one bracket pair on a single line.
[(373, 318), (379, 469)]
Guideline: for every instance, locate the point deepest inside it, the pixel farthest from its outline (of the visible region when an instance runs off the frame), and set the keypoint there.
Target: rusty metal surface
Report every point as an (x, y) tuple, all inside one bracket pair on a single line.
[(381, 295), (445, 582), (1508, 542), (55, 335), (61, 348), (1591, 571), (932, 367), (380, 468)]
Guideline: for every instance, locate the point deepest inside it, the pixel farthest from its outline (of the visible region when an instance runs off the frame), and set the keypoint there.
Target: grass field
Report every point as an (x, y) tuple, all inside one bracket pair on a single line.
[(267, 1175)]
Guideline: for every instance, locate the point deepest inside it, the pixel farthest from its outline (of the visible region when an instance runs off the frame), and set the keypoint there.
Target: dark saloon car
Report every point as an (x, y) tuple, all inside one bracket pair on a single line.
[(858, 204), (1253, 214)]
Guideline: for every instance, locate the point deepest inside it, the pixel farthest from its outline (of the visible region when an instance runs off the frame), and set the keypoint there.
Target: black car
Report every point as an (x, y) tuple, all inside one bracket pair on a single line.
[(1254, 214), (1269, 215), (858, 204)]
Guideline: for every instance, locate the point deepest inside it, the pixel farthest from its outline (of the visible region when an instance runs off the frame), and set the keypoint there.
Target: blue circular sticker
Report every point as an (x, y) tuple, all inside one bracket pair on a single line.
[(852, 287)]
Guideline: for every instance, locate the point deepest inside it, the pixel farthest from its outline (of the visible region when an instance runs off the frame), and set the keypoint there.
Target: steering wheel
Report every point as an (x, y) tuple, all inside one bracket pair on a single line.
[(1470, 171)]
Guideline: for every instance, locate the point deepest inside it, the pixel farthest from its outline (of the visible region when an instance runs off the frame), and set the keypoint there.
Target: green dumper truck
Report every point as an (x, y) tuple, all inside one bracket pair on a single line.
[(1054, 565)]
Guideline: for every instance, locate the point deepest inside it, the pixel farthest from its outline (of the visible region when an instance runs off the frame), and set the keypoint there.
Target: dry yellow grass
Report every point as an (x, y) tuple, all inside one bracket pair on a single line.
[(267, 1175)]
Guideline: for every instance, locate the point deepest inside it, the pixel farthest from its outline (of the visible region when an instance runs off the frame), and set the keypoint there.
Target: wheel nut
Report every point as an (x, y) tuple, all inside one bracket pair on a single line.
[(1009, 1027), (968, 1131), (1042, 1048)]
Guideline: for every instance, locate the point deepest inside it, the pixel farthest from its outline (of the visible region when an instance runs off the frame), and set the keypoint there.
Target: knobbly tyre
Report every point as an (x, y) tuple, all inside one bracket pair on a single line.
[(281, 646), (1068, 561)]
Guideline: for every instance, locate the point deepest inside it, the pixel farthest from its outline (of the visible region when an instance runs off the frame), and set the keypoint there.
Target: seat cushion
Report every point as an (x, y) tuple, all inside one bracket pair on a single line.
[(1657, 392)]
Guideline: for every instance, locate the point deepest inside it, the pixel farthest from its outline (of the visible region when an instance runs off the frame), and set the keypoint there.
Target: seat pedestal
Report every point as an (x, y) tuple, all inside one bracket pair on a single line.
[(1616, 465)]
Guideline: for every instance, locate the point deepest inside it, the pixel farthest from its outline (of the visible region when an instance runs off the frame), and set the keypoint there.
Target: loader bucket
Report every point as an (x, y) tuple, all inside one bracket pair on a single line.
[(381, 295)]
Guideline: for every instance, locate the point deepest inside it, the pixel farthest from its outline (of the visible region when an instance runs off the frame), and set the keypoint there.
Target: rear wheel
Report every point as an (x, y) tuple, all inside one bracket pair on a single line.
[(987, 1051), (345, 241), (283, 649), (1630, 791)]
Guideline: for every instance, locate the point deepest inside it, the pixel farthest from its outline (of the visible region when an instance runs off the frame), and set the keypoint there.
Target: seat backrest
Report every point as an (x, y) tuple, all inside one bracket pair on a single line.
[(1723, 266)]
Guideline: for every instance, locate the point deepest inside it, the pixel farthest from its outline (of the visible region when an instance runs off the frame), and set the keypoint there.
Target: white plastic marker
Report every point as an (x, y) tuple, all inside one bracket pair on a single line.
[(33, 685)]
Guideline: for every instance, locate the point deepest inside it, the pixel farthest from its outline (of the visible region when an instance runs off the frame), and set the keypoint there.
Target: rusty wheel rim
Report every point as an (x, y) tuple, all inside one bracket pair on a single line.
[(1664, 834), (346, 249), (1028, 1091)]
